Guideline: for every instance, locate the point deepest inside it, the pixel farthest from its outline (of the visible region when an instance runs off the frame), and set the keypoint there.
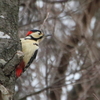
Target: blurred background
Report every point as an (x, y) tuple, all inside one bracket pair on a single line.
[(68, 62)]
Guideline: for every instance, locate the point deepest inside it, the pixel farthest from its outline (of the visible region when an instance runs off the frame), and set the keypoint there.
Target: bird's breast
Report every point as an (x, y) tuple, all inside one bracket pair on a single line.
[(28, 48)]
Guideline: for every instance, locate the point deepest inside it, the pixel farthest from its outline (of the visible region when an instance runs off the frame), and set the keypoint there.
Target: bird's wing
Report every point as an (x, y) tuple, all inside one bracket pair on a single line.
[(32, 59)]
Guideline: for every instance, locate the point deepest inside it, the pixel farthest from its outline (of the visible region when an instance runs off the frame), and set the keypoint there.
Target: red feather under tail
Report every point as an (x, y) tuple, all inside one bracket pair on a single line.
[(19, 68)]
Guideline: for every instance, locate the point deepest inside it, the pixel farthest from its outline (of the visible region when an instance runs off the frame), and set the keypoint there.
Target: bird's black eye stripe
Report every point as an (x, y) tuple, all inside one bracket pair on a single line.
[(33, 38), (36, 38)]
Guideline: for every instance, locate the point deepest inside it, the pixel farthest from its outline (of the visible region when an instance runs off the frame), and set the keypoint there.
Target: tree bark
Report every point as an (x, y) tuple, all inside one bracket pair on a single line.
[(10, 47)]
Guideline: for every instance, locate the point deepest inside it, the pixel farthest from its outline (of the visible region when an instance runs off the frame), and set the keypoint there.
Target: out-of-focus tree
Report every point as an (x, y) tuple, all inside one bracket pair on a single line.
[(67, 65)]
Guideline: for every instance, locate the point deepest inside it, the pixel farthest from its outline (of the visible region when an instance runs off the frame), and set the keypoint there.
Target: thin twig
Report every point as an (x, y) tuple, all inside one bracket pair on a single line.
[(35, 92), (95, 96), (45, 20)]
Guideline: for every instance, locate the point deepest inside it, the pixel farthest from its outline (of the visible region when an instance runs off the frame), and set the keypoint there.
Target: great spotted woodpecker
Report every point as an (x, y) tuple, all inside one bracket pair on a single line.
[(30, 46)]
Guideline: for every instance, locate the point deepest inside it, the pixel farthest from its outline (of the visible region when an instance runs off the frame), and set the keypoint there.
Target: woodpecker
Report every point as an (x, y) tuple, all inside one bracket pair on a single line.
[(30, 46)]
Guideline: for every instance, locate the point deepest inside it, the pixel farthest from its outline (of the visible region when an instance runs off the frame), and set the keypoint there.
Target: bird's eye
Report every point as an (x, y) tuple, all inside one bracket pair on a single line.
[(40, 33)]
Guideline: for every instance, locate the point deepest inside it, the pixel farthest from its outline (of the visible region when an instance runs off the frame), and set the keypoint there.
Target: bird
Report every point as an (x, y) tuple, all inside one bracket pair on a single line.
[(30, 46)]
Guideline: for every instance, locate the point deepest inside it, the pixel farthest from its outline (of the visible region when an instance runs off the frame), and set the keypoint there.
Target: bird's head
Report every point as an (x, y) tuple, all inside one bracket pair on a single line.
[(35, 35)]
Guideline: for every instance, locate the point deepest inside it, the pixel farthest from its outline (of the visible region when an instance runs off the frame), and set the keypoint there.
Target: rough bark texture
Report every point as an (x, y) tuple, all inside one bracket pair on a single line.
[(9, 54)]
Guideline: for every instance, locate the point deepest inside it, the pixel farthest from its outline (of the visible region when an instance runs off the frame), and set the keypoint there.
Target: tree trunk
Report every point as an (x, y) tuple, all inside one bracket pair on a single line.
[(10, 47)]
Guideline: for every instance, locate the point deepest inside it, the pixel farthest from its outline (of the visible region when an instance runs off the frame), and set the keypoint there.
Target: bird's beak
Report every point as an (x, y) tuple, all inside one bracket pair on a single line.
[(47, 35)]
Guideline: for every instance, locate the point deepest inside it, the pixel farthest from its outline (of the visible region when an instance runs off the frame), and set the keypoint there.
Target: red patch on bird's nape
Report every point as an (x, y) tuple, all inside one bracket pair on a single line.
[(29, 32), (20, 68)]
